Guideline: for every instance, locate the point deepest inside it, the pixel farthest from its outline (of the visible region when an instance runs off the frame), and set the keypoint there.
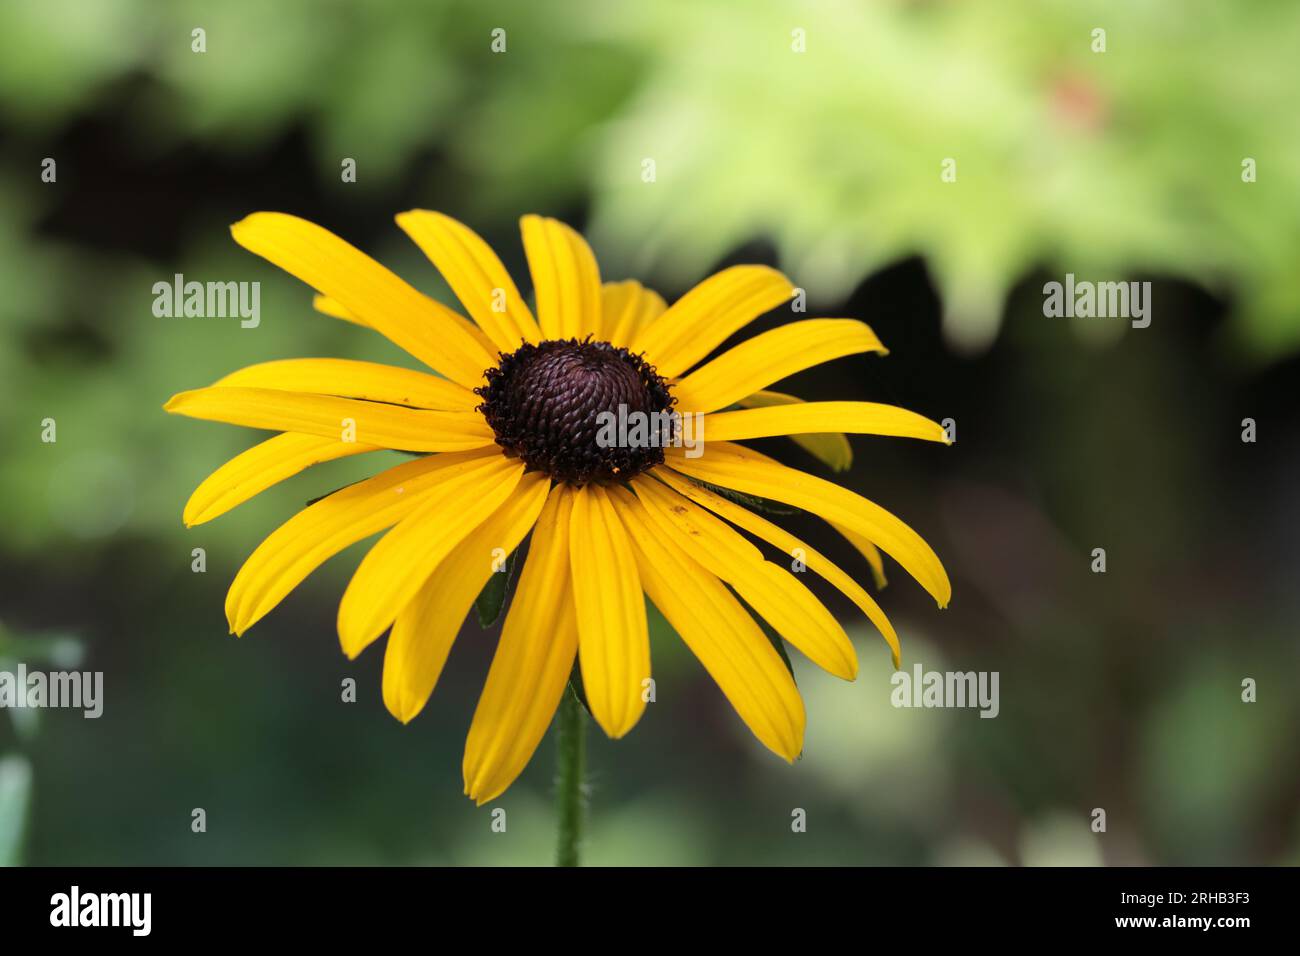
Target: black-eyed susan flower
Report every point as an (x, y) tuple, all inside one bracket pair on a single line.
[(506, 438)]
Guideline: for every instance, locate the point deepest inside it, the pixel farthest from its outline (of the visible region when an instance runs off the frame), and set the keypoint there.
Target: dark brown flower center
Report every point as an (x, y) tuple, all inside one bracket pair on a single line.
[(581, 411)]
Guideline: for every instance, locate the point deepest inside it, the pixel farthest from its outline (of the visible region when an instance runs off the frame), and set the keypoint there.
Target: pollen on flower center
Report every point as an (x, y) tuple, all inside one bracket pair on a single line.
[(544, 404)]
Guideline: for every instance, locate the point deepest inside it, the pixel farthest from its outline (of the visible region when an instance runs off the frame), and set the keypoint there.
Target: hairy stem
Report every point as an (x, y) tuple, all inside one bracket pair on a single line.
[(570, 746)]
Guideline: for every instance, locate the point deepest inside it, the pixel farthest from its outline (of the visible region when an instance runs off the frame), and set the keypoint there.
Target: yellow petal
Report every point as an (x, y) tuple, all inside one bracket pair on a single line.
[(333, 308), (391, 573), (566, 279), (867, 550), (425, 629), (388, 426), (719, 632), (772, 591), (476, 275), (832, 448), (859, 418), (745, 470), (780, 538), (613, 643), (370, 381), (703, 318), (265, 464), (532, 663), (320, 531), (770, 357), (626, 308), (424, 328)]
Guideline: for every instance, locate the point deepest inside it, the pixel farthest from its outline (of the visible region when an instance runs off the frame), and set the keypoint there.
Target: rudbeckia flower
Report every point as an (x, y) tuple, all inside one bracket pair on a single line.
[(505, 438)]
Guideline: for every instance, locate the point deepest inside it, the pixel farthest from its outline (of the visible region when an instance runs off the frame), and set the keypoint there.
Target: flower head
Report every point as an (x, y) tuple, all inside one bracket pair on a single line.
[(545, 401), (510, 446)]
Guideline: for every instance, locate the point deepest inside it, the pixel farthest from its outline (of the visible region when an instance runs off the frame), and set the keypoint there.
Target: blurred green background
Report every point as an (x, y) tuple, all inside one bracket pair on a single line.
[(1119, 691)]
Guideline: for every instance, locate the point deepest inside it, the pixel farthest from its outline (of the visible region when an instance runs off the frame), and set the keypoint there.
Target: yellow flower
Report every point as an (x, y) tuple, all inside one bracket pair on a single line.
[(508, 429)]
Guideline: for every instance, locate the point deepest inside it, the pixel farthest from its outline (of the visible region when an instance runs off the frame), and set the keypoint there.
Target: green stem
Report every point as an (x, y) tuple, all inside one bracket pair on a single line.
[(570, 744)]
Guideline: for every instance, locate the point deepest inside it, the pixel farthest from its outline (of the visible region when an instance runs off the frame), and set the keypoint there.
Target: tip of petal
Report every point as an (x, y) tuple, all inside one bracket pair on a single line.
[(481, 791), (791, 752), (242, 226), (193, 515), (239, 624), (616, 728), (843, 665), (401, 706), (403, 717), (255, 217)]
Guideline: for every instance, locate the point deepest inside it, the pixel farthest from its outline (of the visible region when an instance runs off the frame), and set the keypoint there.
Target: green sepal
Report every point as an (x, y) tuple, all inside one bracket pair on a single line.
[(579, 691), (748, 501), (492, 598)]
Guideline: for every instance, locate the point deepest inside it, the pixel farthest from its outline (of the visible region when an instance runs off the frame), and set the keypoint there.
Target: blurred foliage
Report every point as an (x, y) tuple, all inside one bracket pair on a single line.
[(15, 794), (1107, 164), (1103, 164), (1120, 691), (60, 651)]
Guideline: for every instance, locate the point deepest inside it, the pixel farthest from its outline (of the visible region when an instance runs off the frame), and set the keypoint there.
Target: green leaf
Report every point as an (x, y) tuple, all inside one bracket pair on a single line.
[(492, 598)]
